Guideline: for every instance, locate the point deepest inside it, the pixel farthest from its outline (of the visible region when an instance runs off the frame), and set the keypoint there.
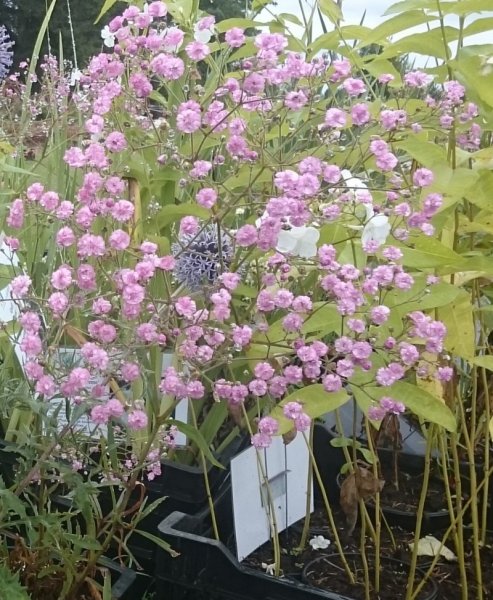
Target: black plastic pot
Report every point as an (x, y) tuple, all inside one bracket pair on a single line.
[(207, 566), (184, 490), (388, 565), (125, 583), (432, 520)]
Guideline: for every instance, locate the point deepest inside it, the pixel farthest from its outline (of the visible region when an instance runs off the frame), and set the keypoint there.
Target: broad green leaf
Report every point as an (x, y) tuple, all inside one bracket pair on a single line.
[(315, 400), (172, 212), (330, 9), (227, 24), (429, 43), (327, 41), (465, 7), (421, 297), (484, 361), (425, 153), (197, 438), (479, 25), (475, 72), (396, 24), (458, 318), (406, 5), (418, 401), (428, 252), (480, 193), (325, 317)]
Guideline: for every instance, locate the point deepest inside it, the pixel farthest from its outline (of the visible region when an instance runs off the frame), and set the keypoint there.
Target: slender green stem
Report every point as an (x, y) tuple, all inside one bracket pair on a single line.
[(364, 559), (419, 514), (309, 482), (206, 478), (329, 513), (270, 500)]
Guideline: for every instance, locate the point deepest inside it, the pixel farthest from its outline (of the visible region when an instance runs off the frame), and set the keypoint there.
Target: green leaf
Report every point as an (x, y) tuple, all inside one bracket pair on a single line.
[(227, 24), (396, 24), (465, 7), (324, 318), (82, 541), (421, 297), (6, 168), (425, 153), (428, 252), (429, 43), (107, 585), (480, 193), (315, 400), (479, 25), (486, 362), (26, 113), (173, 212), (406, 5), (327, 41), (106, 7), (418, 401), (196, 437), (458, 318), (158, 541), (330, 9)]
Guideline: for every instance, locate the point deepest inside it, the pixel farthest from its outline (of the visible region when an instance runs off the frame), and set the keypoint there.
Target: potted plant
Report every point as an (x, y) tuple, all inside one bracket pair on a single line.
[(210, 209)]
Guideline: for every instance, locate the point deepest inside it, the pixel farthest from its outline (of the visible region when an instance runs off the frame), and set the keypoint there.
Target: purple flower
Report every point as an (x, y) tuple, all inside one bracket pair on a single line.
[(5, 52), (202, 258)]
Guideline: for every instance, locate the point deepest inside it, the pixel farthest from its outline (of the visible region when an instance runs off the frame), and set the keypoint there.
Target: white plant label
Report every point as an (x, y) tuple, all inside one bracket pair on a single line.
[(284, 494)]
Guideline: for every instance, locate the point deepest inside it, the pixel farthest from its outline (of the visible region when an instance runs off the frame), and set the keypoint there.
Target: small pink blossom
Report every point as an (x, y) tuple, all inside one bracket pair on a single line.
[(137, 419)]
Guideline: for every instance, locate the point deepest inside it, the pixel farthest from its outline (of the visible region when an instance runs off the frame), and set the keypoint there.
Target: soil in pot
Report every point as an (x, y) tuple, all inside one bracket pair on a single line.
[(405, 496), (327, 572), (447, 574), (394, 544)]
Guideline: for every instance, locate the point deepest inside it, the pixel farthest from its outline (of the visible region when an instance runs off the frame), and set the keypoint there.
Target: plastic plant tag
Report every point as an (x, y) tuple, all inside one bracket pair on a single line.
[(283, 495)]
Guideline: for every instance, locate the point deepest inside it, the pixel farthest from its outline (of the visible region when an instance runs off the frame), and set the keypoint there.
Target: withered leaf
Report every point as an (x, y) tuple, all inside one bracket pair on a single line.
[(288, 437), (359, 485)]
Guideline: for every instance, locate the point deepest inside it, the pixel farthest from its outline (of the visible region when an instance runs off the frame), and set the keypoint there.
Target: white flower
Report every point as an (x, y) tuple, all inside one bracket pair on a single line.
[(269, 569), (203, 35), (319, 543), (298, 241), (108, 37), (357, 187), (376, 229)]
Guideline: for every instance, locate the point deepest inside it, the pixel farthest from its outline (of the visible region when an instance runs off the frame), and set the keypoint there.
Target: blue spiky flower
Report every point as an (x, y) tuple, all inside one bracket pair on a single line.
[(6, 52), (203, 257)]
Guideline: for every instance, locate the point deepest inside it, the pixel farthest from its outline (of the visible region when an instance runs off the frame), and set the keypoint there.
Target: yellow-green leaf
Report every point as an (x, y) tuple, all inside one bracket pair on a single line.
[(458, 318), (315, 400)]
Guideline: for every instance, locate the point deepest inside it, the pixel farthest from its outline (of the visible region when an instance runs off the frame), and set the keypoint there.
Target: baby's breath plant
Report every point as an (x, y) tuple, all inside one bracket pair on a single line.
[(265, 209)]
